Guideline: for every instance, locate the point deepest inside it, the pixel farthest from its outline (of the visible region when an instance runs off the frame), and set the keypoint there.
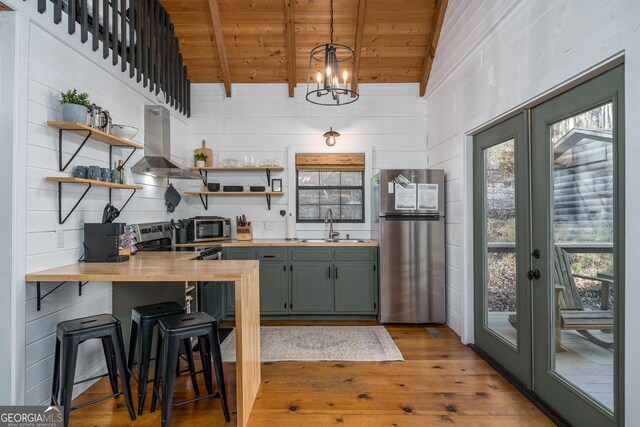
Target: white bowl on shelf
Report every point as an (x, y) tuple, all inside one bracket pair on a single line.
[(124, 131)]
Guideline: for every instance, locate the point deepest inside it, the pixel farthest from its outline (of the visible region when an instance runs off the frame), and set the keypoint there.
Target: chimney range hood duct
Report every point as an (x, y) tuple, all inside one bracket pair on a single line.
[(157, 147)]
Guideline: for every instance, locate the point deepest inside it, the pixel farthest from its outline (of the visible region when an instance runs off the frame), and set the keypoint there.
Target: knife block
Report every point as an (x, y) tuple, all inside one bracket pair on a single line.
[(245, 233)]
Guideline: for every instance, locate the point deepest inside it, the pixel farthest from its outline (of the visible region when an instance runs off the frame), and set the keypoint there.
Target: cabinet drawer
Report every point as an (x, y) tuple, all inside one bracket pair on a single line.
[(355, 254), (272, 254), (311, 254), (239, 253)]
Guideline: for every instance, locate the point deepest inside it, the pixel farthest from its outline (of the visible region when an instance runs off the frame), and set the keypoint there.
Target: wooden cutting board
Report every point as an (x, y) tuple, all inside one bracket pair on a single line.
[(207, 152)]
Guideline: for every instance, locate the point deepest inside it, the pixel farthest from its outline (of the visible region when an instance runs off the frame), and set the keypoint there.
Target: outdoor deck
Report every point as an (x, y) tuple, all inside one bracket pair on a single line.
[(583, 363)]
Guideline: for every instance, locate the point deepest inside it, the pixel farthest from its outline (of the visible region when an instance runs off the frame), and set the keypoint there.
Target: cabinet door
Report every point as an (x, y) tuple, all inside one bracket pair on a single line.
[(235, 254), (312, 287), (355, 287), (213, 301), (274, 288)]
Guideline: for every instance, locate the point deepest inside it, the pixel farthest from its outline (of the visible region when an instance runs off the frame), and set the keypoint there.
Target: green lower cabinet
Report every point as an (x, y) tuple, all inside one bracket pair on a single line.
[(213, 299), (230, 293), (312, 288), (274, 288), (355, 288)]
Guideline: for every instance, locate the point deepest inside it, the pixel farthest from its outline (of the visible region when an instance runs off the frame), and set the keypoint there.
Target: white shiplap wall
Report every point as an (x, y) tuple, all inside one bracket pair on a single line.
[(496, 56), (388, 121), (54, 67)]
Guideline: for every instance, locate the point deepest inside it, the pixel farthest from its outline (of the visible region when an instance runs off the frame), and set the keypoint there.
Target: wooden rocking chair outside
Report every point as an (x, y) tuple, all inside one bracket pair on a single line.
[(570, 312)]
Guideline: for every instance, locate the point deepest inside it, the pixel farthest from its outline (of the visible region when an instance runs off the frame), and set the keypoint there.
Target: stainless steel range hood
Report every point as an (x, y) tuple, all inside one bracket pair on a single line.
[(157, 147)]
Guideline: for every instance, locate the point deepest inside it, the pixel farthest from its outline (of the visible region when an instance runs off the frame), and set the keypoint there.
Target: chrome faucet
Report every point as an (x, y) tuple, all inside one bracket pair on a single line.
[(328, 217)]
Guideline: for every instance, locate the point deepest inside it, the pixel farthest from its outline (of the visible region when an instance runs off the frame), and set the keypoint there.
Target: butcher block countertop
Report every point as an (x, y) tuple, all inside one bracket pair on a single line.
[(149, 267), (278, 242)]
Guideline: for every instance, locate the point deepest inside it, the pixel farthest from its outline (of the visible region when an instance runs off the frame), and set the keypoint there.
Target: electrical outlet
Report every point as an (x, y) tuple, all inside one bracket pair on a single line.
[(268, 226), (60, 238)]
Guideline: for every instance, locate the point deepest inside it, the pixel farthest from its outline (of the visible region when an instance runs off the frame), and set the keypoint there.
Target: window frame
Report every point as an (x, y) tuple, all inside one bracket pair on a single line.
[(338, 220)]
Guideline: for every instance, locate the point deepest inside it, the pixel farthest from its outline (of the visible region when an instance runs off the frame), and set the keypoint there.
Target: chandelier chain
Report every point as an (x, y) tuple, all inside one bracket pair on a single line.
[(331, 23)]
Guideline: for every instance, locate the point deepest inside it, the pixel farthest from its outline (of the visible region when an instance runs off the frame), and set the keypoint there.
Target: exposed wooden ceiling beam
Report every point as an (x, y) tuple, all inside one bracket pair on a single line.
[(290, 35), (438, 18), (4, 7), (357, 47), (222, 50)]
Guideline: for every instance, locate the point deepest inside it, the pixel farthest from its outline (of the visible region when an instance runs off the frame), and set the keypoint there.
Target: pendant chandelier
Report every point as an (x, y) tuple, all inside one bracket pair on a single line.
[(325, 84)]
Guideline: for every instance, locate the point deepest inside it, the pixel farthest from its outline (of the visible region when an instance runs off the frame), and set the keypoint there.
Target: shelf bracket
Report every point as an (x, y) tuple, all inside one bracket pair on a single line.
[(205, 176), (125, 203), (205, 201), (111, 155), (60, 219), (62, 168), (40, 297), (268, 201)]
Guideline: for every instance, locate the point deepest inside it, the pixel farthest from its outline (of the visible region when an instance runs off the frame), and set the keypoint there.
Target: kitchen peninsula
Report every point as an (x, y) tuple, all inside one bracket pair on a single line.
[(179, 266)]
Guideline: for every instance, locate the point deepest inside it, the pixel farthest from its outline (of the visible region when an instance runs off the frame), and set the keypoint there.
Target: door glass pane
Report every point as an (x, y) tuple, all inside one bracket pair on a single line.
[(500, 216), (582, 252)]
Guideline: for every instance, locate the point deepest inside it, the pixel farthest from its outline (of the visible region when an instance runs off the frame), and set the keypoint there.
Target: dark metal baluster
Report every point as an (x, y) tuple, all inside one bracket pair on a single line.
[(157, 38), (138, 53), (83, 21), (152, 34), (145, 44), (132, 37), (95, 26), (180, 83), (57, 11), (71, 15), (188, 98), (176, 71), (184, 90), (114, 34), (170, 65), (42, 6), (162, 35), (105, 29), (123, 35)]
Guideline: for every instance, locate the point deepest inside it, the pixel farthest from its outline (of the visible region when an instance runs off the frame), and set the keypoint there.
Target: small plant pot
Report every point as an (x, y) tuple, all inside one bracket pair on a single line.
[(74, 113), (200, 163)]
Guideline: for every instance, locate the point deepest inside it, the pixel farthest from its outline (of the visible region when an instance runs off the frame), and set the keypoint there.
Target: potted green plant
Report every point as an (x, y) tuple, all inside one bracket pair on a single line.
[(75, 106), (200, 160)]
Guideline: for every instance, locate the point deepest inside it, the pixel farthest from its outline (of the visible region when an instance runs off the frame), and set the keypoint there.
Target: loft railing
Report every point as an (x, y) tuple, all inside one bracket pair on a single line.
[(137, 33)]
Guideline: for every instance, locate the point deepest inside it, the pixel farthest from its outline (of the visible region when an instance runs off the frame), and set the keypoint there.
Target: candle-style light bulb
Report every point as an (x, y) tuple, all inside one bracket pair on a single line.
[(328, 71), (319, 79), (344, 77)]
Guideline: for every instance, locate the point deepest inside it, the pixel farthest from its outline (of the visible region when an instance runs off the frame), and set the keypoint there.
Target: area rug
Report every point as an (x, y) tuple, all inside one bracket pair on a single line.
[(320, 343)]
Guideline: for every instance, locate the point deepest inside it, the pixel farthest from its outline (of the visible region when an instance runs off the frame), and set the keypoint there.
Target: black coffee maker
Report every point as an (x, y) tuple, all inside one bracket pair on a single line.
[(101, 242)]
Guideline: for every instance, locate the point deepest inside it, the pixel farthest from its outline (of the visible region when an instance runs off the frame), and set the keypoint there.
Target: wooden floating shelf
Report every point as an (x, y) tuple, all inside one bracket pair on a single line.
[(95, 183), (234, 193), (239, 168), (97, 135)]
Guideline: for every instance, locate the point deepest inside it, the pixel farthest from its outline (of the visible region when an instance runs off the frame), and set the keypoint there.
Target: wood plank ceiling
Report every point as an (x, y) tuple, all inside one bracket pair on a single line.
[(251, 41)]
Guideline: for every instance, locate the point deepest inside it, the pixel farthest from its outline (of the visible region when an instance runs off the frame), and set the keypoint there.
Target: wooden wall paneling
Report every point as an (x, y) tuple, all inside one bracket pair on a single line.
[(222, 51), (114, 36), (5, 8), (139, 37), (123, 35), (95, 26), (84, 21), (57, 11), (438, 18), (358, 46), (290, 38), (105, 29), (71, 17), (132, 39)]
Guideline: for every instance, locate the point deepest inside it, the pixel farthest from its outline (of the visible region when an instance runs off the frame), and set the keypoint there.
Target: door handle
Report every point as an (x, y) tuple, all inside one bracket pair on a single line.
[(533, 274), (336, 272), (536, 253), (329, 269)]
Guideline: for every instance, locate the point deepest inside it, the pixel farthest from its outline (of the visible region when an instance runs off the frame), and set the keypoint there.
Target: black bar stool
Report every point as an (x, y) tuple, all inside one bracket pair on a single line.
[(143, 322), (69, 335), (173, 329)]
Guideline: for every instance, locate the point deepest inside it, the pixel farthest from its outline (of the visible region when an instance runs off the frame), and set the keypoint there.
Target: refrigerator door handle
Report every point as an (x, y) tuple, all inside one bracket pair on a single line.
[(433, 217)]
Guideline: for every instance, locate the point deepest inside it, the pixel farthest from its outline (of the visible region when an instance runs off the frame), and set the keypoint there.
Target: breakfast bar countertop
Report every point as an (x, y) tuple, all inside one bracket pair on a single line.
[(181, 267), (283, 242)]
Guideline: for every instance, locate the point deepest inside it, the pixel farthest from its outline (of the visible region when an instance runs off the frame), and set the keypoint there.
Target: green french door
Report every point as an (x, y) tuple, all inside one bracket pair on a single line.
[(578, 208), (501, 197), (549, 274)]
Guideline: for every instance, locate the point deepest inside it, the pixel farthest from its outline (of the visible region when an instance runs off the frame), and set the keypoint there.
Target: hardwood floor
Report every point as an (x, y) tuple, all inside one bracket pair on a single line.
[(441, 382)]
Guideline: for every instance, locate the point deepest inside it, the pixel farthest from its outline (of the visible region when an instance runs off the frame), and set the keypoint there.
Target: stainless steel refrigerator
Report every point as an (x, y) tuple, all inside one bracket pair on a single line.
[(411, 230)]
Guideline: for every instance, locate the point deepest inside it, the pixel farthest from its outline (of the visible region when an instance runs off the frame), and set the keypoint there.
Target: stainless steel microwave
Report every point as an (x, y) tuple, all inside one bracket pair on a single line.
[(207, 228)]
